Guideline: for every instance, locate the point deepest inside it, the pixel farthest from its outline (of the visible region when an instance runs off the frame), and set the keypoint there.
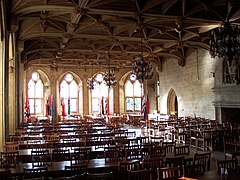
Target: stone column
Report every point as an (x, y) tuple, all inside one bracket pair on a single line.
[(85, 95)]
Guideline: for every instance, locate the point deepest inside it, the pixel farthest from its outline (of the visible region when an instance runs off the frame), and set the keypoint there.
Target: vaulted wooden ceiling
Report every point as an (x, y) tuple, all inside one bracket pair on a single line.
[(78, 32)]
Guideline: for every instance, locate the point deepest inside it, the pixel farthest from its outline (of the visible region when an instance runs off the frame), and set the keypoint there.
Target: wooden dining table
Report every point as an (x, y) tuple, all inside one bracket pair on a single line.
[(25, 154), (213, 175), (56, 169)]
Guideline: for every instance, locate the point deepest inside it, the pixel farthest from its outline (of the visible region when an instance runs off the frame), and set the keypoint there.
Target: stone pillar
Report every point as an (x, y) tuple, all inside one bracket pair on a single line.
[(54, 88), (116, 96), (85, 95)]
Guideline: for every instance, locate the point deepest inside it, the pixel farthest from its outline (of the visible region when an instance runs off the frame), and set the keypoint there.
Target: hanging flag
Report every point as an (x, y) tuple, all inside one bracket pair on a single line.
[(52, 107), (102, 104), (143, 105), (107, 107), (63, 107), (69, 106), (47, 107), (146, 108), (27, 110)]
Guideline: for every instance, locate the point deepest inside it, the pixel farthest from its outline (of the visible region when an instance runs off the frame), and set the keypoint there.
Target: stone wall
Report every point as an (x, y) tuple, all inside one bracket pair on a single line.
[(192, 84)]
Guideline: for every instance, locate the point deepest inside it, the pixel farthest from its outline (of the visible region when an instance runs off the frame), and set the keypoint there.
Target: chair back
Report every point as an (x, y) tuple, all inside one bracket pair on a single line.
[(169, 146), (112, 153), (40, 157), (182, 150), (142, 174), (76, 171), (35, 172), (125, 166), (11, 146), (174, 161), (229, 165), (9, 159), (100, 176), (201, 162), (80, 155), (152, 164), (158, 151), (168, 173), (60, 154)]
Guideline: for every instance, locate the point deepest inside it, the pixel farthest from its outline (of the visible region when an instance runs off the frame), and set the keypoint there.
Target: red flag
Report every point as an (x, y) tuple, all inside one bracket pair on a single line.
[(107, 107), (147, 108), (102, 105), (47, 108), (63, 107), (27, 110)]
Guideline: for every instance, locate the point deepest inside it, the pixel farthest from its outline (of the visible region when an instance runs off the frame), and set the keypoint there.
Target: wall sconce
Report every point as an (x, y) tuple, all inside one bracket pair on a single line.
[(213, 74), (11, 69)]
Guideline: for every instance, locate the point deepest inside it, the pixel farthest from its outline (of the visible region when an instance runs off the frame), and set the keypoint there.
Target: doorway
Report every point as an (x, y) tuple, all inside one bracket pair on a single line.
[(172, 103)]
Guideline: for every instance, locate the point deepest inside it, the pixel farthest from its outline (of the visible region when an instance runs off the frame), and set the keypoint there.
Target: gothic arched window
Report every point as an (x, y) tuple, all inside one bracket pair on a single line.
[(133, 95), (69, 94), (35, 94)]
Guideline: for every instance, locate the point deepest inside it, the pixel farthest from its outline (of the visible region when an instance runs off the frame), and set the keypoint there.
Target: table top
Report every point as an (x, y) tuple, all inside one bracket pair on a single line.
[(92, 164), (213, 175)]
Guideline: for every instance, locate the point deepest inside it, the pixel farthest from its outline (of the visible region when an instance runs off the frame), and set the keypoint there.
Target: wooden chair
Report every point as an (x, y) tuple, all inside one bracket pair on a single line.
[(229, 165), (76, 171), (15, 138), (156, 140), (158, 151), (5, 175), (168, 173), (174, 161), (68, 142), (130, 133), (60, 154), (90, 141), (125, 166), (101, 143), (9, 159), (169, 146), (35, 173), (147, 149), (100, 176), (40, 157), (121, 140), (201, 162), (143, 140), (11, 146), (182, 150), (133, 152), (112, 153), (143, 174), (80, 155), (205, 142), (35, 144), (52, 141), (152, 164)]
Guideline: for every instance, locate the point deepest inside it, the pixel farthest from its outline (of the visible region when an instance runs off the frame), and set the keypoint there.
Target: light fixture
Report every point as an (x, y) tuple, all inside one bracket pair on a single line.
[(142, 68), (225, 41), (91, 81), (110, 77)]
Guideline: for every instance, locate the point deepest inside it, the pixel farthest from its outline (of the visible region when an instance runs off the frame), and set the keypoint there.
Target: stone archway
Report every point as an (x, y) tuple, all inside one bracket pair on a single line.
[(172, 102)]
